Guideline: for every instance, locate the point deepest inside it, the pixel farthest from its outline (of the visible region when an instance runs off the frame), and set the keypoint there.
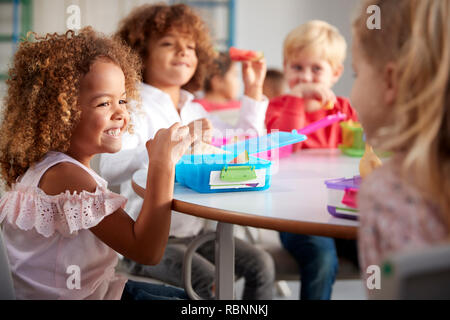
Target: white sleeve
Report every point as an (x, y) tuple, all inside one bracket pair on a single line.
[(251, 116), (117, 168)]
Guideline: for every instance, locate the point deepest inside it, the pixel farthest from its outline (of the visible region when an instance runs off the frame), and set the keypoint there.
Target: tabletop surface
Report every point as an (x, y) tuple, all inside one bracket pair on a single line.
[(297, 193)]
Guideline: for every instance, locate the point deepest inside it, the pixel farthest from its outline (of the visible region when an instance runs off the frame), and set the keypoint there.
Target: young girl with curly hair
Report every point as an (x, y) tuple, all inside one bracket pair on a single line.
[(402, 96), (175, 48), (67, 101)]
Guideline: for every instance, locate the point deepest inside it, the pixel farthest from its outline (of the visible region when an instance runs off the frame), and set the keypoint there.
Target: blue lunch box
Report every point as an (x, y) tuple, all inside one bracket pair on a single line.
[(211, 173)]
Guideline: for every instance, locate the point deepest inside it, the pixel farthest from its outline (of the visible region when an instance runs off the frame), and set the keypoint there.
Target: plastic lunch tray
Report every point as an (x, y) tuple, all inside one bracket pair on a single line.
[(211, 173), (342, 197)]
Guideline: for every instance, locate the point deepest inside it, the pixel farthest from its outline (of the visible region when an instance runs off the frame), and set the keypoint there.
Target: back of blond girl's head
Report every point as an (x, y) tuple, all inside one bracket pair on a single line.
[(41, 105), (150, 22), (415, 36)]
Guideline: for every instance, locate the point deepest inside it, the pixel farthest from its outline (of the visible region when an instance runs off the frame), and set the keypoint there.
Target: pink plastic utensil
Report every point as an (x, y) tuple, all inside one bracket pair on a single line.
[(286, 151), (323, 123)]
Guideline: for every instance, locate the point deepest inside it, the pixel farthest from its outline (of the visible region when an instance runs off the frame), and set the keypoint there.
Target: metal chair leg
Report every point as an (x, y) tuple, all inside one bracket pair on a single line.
[(187, 262)]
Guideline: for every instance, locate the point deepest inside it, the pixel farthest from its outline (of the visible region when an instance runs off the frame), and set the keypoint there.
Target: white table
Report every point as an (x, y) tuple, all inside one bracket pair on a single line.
[(295, 202)]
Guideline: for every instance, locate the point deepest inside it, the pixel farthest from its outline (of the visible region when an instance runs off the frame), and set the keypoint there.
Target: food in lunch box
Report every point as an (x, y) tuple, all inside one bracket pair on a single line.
[(201, 147)]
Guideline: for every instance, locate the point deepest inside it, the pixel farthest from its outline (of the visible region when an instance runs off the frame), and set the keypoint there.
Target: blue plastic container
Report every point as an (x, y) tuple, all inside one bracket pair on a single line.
[(213, 173)]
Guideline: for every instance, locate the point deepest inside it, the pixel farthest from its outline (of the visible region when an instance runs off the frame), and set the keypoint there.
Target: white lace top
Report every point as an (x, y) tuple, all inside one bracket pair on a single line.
[(51, 252)]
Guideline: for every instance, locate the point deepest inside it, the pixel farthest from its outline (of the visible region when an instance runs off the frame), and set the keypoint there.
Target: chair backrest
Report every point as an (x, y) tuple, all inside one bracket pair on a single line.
[(6, 284), (424, 274)]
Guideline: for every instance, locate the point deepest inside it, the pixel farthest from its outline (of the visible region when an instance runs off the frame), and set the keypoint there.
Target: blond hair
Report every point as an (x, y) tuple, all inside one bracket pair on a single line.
[(317, 38), (417, 33)]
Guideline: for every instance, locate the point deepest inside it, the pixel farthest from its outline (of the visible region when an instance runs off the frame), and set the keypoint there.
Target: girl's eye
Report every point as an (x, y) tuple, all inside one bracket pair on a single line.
[(297, 67), (123, 102), (317, 69), (104, 104)]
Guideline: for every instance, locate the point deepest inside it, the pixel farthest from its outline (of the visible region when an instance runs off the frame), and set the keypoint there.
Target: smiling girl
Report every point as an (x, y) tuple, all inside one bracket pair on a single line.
[(66, 102)]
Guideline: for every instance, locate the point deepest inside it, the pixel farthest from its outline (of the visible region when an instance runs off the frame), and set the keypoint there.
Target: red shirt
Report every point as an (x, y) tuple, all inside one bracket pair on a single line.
[(287, 112)]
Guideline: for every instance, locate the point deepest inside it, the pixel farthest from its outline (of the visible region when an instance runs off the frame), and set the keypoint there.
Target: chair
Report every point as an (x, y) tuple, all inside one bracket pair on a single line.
[(187, 262), (423, 274), (6, 284)]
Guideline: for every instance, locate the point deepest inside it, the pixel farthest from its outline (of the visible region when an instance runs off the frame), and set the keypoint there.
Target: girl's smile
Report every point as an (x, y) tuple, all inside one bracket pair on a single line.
[(104, 115), (115, 133)]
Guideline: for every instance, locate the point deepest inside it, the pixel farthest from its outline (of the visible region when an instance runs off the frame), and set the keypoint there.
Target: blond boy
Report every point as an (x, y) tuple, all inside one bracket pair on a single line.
[(313, 62)]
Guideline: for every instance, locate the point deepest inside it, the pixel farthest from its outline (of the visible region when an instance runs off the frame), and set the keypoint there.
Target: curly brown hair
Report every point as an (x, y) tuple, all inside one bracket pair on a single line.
[(41, 105), (149, 23)]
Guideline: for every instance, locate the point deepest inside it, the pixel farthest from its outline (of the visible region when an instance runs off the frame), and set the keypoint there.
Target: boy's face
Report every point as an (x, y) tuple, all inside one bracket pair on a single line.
[(104, 115), (172, 60), (304, 68)]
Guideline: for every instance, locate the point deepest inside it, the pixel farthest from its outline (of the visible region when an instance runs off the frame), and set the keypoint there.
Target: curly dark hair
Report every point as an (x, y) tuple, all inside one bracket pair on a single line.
[(41, 105), (149, 22)]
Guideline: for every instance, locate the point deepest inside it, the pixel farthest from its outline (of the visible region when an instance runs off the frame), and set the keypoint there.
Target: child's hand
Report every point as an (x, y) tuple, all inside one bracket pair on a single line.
[(169, 145), (202, 128), (317, 94), (253, 74)]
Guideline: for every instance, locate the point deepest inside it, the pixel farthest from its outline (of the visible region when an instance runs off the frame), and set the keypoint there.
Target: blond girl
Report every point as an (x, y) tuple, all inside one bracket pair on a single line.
[(402, 96)]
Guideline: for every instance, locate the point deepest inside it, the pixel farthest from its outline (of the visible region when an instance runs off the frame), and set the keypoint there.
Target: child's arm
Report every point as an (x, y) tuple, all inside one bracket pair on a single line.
[(144, 240), (285, 113), (253, 106), (253, 74)]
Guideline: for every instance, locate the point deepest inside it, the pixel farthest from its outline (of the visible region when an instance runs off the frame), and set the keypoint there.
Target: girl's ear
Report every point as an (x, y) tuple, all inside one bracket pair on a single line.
[(390, 83)]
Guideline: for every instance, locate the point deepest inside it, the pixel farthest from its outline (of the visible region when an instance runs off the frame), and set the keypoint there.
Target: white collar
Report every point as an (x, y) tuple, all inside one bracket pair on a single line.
[(185, 96)]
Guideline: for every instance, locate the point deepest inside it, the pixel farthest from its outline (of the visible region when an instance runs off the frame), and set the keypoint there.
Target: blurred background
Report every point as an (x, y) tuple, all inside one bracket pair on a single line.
[(259, 25)]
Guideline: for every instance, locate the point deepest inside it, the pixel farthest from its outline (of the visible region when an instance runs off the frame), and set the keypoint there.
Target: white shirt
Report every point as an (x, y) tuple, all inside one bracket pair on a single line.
[(157, 112)]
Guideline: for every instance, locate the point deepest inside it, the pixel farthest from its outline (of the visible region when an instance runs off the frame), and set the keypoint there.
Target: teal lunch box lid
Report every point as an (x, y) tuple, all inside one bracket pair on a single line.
[(267, 142)]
